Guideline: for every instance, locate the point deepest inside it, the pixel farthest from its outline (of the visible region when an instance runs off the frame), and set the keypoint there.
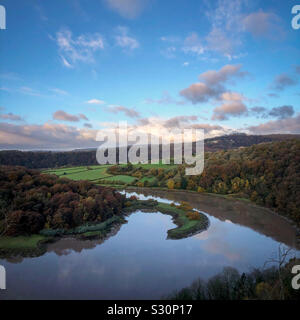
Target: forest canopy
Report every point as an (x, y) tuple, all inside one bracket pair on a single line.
[(31, 201)]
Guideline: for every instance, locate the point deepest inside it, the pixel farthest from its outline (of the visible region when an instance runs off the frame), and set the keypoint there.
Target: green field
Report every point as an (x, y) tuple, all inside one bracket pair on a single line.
[(149, 179), (32, 246), (21, 242), (122, 178), (98, 174)]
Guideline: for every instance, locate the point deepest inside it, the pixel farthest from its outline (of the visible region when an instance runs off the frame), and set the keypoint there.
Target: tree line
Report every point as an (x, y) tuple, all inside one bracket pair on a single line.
[(54, 159), (273, 283)]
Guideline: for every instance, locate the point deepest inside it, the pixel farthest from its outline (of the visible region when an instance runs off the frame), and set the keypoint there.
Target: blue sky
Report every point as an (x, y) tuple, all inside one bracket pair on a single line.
[(70, 68)]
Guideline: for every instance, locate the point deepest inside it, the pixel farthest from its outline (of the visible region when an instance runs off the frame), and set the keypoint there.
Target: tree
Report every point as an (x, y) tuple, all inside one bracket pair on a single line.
[(170, 184)]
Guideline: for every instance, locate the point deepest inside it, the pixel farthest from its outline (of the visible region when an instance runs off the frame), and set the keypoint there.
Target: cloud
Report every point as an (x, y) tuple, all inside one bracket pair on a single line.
[(123, 40), (59, 91), (212, 85), (169, 52), (232, 96), (95, 101), (193, 44), (199, 92), (234, 109), (282, 112), (160, 126), (45, 136), (61, 136), (83, 117), (273, 95), (127, 8), (165, 99), (288, 126), (177, 122), (283, 81), (297, 69), (80, 49), (259, 111), (213, 77), (186, 64), (65, 62), (225, 33), (64, 116), (131, 113), (88, 125), (170, 39), (29, 91), (263, 24), (217, 40), (10, 116)]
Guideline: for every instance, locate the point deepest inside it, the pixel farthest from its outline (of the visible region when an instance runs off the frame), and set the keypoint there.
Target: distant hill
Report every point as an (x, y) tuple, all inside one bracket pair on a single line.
[(86, 157), (234, 141)]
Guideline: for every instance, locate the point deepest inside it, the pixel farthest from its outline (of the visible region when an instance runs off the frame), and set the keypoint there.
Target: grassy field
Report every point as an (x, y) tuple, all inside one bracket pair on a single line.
[(99, 174), (123, 178), (21, 242), (26, 246)]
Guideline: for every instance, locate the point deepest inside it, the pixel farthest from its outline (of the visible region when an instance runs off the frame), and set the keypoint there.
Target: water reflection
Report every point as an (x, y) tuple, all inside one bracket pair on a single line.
[(139, 262), (243, 213)]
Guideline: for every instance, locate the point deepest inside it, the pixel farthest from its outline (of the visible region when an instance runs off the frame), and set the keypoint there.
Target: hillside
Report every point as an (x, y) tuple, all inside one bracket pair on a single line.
[(87, 157)]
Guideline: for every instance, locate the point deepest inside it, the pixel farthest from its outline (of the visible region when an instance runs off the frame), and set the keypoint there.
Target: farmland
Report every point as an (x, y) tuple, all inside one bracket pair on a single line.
[(100, 175)]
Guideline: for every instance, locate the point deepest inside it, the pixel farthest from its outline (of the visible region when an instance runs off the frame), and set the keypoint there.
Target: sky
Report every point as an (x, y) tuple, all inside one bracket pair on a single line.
[(71, 68)]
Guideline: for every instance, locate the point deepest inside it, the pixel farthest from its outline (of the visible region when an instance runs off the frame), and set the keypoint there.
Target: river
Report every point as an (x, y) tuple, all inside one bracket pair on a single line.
[(139, 262)]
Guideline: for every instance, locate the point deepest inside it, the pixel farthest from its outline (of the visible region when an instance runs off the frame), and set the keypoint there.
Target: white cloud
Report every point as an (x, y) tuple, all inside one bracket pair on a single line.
[(80, 49), (95, 101), (123, 40), (193, 44), (62, 136), (45, 136)]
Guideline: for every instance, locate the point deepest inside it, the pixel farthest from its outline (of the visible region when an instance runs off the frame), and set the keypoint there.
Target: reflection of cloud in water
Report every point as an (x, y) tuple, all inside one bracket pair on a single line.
[(214, 242)]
